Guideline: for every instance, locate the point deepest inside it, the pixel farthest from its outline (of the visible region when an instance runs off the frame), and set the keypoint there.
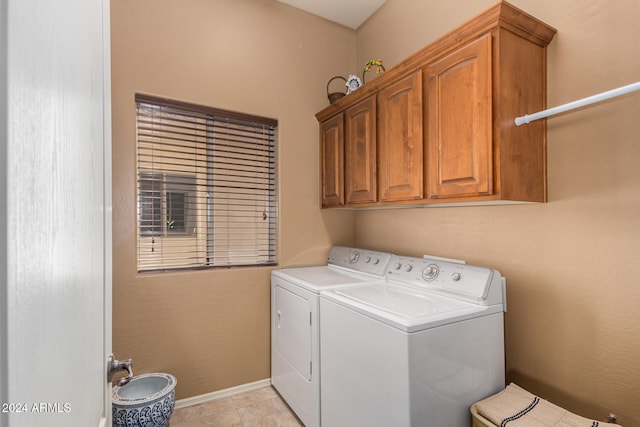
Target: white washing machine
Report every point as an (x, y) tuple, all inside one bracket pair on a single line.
[(416, 351), (295, 313)]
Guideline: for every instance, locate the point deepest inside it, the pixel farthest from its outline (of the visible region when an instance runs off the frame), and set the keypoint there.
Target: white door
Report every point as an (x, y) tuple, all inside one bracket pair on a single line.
[(55, 213)]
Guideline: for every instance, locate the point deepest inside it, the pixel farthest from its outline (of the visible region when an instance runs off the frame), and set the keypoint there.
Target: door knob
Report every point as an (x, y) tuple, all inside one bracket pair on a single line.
[(114, 366)]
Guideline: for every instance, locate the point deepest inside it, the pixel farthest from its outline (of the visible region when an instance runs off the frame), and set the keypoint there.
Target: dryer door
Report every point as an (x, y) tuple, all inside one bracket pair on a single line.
[(292, 329)]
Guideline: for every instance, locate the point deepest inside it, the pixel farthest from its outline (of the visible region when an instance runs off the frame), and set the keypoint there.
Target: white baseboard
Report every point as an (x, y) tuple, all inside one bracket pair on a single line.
[(203, 398)]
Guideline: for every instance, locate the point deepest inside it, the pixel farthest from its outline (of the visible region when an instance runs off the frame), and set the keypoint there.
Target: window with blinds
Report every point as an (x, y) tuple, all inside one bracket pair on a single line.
[(206, 187)]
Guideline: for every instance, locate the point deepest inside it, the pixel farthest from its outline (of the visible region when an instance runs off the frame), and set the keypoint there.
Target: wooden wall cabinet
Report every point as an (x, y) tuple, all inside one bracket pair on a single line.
[(360, 151), (332, 161), (459, 122), (438, 127), (400, 144)]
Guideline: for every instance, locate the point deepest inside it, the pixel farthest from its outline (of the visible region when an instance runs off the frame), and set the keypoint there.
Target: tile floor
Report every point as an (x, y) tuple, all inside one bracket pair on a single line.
[(259, 408)]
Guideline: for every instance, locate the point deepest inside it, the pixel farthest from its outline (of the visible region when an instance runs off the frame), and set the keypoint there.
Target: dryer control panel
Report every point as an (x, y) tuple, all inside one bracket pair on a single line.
[(362, 260), (470, 283)]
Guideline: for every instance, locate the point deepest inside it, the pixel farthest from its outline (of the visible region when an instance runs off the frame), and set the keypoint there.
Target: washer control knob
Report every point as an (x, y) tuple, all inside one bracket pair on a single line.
[(456, 277), (376, 261), (430, 273), (368, 260), (397, 266), (354, 257), (408, 268)]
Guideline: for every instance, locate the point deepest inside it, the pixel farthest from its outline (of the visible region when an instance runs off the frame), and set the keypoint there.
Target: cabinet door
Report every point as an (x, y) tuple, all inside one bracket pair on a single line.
[(360, 151), (332, 161), (400, 141), (460, 129)]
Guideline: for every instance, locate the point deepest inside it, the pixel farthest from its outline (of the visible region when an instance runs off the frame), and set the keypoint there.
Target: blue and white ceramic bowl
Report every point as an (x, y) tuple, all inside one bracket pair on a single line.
[(146, 401)]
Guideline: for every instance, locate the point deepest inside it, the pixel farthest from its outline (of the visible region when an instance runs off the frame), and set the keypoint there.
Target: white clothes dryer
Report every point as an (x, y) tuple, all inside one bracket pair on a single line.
[(295, 313), (416, 351)]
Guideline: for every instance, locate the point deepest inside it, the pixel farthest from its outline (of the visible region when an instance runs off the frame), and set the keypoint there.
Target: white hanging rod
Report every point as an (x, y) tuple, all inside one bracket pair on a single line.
[(527, 118)]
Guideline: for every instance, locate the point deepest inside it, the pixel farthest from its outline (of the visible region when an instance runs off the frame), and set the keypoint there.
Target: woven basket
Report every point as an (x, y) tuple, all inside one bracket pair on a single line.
[(334, 96)]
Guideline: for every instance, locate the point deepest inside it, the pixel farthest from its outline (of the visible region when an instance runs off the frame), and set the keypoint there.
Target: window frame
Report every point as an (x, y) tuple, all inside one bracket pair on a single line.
[(170, 182)]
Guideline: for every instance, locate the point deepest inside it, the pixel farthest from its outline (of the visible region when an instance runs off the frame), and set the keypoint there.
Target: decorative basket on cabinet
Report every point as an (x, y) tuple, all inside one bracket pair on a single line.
[(373, 63), (334, 96)]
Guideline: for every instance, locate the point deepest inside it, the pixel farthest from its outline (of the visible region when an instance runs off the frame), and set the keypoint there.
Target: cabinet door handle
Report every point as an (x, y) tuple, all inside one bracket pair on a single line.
[(279, 315)]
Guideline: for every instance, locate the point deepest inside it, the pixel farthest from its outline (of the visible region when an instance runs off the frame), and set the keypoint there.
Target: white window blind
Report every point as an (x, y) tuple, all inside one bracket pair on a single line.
[(206, 183)]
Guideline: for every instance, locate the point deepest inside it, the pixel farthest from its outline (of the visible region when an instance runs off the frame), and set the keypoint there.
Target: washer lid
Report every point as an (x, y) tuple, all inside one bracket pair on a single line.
[(406, 309), (400, 301), (320, 278)]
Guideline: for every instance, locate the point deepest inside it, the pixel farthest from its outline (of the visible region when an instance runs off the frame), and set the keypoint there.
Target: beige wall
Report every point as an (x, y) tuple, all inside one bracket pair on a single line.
[(572, 331), (211, 328), (572, 265)]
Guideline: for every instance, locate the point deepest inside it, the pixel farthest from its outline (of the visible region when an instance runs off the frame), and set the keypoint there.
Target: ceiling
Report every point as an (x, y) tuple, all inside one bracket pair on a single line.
[(350, 13)]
